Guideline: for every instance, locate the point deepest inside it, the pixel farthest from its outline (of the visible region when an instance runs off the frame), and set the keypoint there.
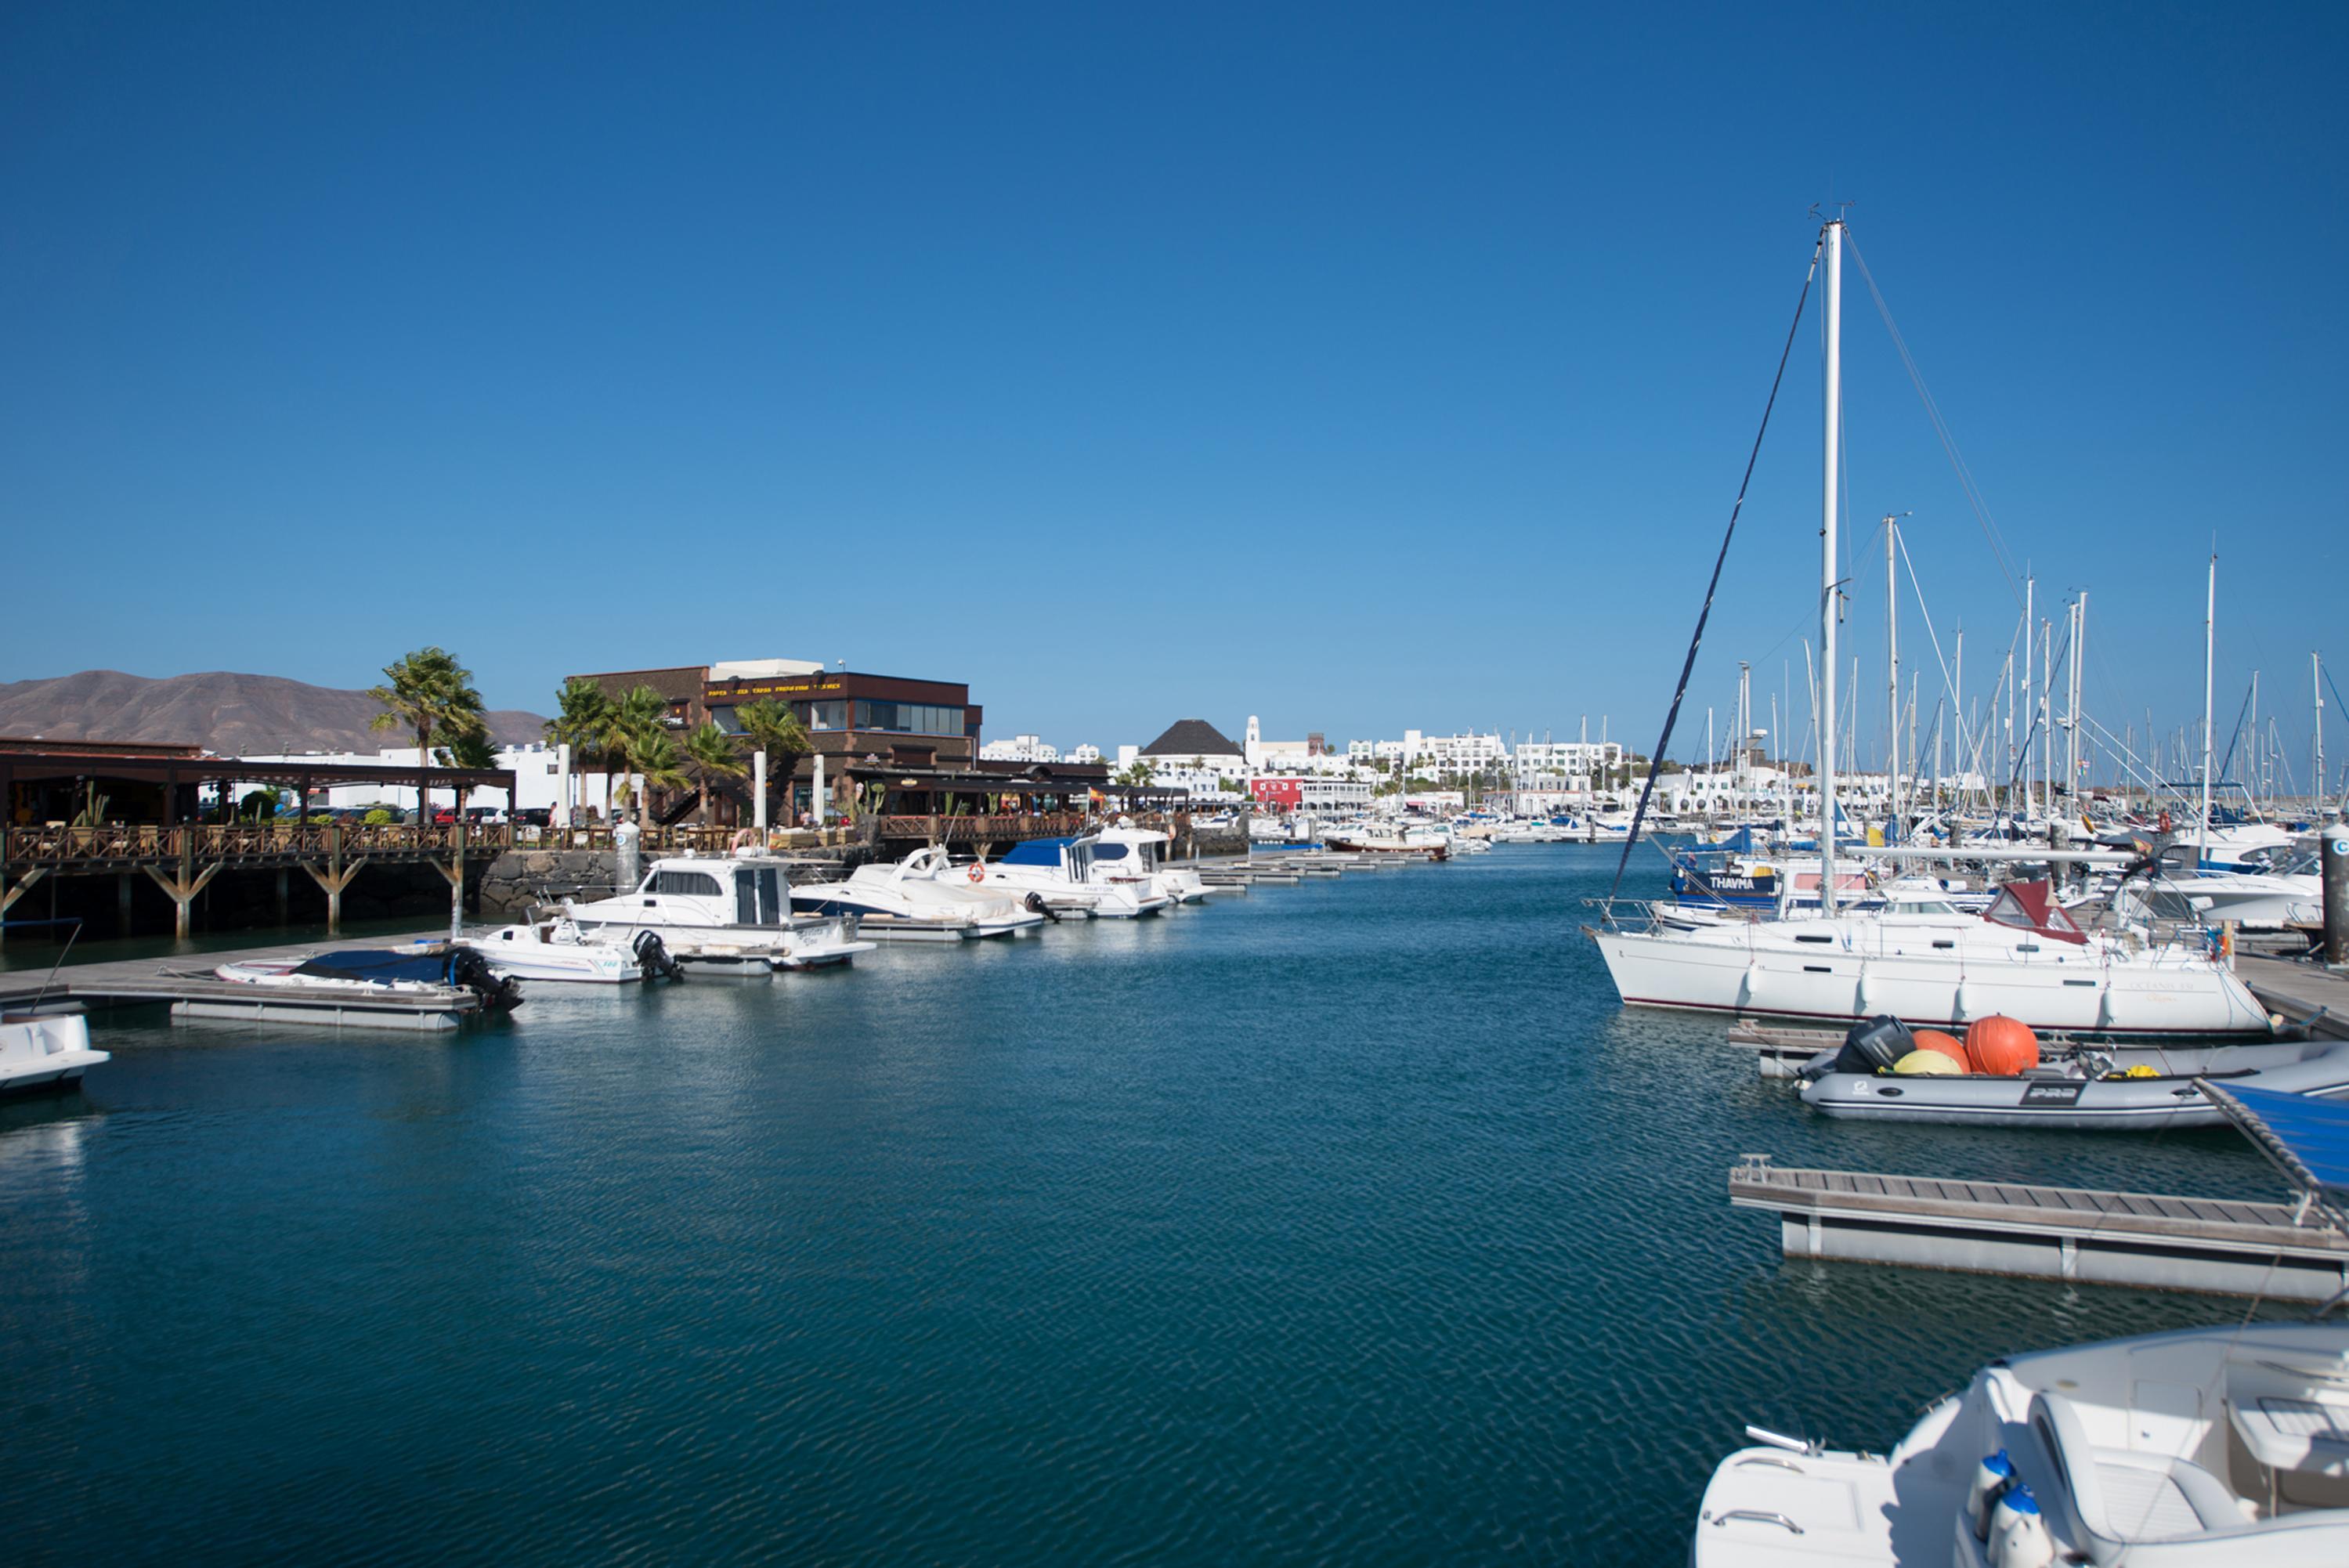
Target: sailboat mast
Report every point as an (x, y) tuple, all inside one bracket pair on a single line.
[(2209, 669), (1831, 461), (1892, 660), (2316, 684), (2030, 715)]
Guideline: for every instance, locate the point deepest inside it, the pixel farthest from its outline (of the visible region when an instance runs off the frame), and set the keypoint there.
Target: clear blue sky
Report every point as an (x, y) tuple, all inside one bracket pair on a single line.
[(1357, 367)]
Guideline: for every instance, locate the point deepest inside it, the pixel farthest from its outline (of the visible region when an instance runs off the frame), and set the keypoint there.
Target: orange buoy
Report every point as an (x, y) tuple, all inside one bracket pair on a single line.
[(1949, 1045), (2002, 1045)]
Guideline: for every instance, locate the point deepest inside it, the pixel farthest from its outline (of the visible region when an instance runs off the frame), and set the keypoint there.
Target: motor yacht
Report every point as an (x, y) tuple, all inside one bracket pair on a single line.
[(1066, 877), (907, 901), (1125, 851), (1388, 836), (2268, 895), (734, 912)]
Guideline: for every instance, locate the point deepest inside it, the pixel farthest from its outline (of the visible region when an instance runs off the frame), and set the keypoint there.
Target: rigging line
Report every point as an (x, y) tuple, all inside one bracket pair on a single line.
[(1940, 429), (2228, 761), (1648, 790)]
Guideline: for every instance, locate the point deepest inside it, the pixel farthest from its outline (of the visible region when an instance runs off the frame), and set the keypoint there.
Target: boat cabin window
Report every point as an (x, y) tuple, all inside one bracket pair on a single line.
[(758, 897), (1109, 851), (700, 884), (1923, 906)]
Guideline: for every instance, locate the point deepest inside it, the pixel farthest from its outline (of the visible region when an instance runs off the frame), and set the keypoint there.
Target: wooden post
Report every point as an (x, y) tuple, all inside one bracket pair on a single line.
[(335, 878), (122, 886), (182, 890), (280, 895)]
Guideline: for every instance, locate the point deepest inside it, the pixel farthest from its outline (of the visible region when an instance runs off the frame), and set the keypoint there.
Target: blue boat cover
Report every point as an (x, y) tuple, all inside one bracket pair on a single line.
[(2307, 1139), (1740, 842), (1035, 852), (379, 964)]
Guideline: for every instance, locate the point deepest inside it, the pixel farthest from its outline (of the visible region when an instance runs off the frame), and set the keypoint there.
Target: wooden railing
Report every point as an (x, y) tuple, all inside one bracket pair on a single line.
[(56, 846), (982, 829)]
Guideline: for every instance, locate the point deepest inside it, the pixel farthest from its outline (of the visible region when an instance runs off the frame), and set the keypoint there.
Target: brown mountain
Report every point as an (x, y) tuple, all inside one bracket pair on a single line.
[(233, 715)]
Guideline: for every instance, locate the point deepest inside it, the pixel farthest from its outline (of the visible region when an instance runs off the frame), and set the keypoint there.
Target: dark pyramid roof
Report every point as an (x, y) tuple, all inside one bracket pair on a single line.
[(1191, 738)]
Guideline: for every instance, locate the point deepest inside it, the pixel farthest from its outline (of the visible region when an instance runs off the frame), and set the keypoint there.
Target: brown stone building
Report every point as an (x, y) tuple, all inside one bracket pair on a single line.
[(915, 741)]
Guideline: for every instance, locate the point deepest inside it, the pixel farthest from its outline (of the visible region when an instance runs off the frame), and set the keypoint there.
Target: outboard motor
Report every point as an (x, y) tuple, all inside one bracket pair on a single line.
[(653, 957), (499, 994), (1875, 1044), (1034, 904)]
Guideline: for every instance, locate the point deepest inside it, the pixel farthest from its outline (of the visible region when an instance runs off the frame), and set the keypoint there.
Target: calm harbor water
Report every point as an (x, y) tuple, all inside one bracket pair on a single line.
[(1349, 1221)]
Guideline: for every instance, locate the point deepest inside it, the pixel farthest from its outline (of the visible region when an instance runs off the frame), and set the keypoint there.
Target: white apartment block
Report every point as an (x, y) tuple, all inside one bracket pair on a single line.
[(1020, 749)]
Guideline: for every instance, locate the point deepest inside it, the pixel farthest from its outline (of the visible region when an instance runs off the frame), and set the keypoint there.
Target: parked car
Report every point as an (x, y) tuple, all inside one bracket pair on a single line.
[(489, 815), (536, 817)]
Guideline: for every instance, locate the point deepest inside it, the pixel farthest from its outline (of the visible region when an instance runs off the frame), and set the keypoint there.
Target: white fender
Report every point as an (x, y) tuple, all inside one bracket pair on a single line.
[(1749, 989)]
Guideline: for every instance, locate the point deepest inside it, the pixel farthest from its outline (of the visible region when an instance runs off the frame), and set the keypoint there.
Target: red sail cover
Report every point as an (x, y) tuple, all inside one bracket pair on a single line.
[(2031, 906)]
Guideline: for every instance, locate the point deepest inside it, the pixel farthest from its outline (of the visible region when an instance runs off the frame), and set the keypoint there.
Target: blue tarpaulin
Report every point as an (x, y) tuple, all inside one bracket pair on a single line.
[(2308, 1139), (1034, 852), (379, 964)]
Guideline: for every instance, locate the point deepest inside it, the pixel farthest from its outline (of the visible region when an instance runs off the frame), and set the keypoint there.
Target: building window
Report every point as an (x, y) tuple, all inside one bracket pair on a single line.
[(723, 717), (832, 715), (909, 718)]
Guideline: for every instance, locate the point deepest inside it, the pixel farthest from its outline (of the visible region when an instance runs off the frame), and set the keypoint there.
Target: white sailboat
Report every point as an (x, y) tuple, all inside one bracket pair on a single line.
[(1920, 959)]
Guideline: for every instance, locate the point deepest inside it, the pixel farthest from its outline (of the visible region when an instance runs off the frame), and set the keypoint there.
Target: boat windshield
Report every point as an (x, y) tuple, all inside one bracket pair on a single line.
[(1923, 906), (2029, 906)]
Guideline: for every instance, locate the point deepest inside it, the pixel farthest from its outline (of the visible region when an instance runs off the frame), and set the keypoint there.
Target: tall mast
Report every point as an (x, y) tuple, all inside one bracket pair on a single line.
[(2079, 618), (2209, 668), (2030, 718), (2047, 712), (1830, 463), (2316, 684), (1892, 662), (1956, 724)]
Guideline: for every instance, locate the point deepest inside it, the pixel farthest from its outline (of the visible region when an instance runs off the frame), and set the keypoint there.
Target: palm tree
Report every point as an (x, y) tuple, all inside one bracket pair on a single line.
[(582, 712), (627, 728), (710, 755), (776, 730), (662, 766), (470, 748), (429, 691)]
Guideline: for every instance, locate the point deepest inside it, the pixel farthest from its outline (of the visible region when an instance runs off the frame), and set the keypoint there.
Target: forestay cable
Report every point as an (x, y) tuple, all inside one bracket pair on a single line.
[(1671, 715)]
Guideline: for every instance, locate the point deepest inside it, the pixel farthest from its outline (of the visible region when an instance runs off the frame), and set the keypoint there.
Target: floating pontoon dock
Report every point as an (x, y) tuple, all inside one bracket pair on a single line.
[(185, 982), (2218, 1245)]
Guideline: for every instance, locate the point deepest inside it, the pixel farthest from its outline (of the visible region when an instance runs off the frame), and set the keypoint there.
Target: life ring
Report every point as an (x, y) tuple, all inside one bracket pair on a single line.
[(977, 873), (2165, 822), (744, 838)]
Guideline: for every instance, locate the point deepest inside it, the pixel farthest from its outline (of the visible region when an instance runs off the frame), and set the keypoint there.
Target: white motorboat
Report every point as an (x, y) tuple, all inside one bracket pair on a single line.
[(45, 1052), (906, 901), (735, 911), (557, 950), (1385, 836), (1064, 876), (2290, 893), (422, 968), (2205, 1447), (1930, 964), (1125, 851)]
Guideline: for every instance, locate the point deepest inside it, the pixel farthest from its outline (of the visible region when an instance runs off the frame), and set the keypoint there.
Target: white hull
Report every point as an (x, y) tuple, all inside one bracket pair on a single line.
[(47, 1051), (2071, 993)]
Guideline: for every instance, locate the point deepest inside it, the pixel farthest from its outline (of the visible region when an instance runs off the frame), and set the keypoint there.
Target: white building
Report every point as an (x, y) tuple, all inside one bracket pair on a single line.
[(537, 771), (1020, 749)]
